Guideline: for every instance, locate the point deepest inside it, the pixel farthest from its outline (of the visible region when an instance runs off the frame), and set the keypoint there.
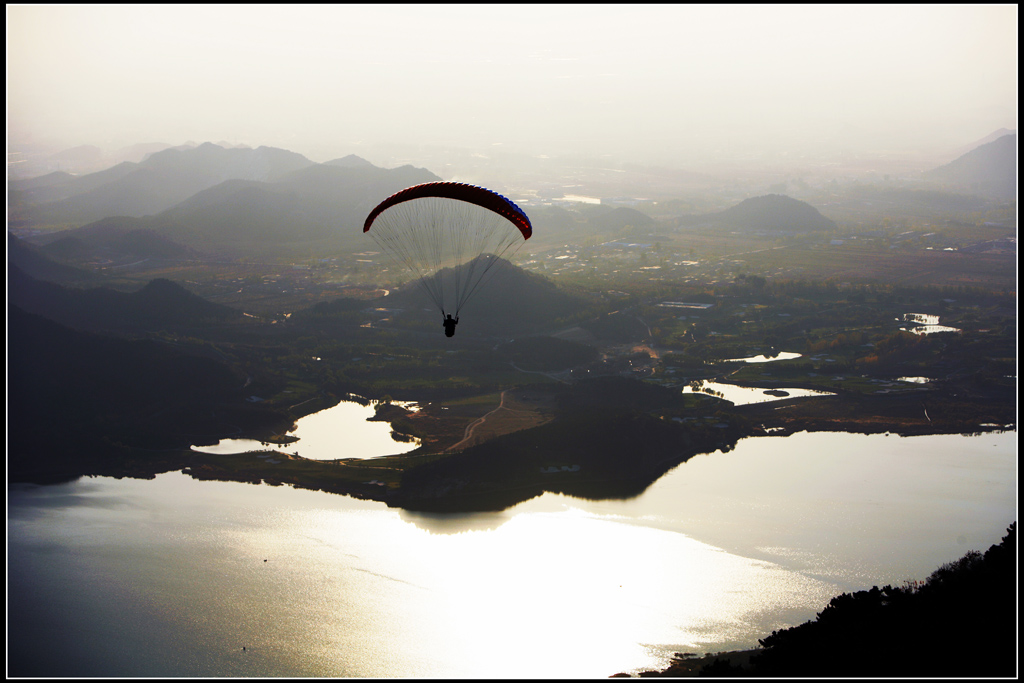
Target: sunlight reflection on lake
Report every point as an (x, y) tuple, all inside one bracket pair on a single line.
[(173, 576)]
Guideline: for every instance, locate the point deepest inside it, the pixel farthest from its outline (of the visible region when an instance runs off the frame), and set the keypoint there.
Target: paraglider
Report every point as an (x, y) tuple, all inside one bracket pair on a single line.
[(457, 228), (449, 325)]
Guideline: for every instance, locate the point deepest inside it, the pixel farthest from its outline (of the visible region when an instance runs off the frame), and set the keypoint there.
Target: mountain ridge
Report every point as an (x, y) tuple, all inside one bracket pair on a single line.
[(989, 169), (277, 202), (157, 183)]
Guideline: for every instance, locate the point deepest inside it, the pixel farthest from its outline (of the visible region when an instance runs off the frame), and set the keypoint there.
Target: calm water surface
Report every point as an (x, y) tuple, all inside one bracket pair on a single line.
[(173, 577)]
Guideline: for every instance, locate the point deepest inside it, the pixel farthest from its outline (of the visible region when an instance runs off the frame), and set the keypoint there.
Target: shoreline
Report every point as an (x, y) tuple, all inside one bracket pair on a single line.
[(688, 664)]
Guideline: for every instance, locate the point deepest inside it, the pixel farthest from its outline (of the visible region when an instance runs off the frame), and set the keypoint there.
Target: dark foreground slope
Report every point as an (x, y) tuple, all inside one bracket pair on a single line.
[(960, 622), (77, 399)]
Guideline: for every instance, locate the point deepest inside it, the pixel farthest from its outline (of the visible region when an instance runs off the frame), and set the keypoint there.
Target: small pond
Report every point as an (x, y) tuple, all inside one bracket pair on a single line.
[(783, 355), (924, 323)]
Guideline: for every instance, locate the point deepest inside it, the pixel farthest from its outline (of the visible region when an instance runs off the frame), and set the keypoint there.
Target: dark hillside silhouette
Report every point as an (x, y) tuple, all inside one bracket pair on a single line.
[(510, 301), (31, 260), (960, 622), (908, 632), (74, 397), (159, 305)]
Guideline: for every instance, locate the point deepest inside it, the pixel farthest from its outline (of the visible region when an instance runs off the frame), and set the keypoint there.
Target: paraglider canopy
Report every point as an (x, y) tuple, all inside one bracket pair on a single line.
[(444, 225), (472, 194)]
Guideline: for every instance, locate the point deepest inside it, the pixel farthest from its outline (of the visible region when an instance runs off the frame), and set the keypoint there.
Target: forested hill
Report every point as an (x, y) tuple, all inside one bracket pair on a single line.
[(509, 301), (775, 212), (768, 213)]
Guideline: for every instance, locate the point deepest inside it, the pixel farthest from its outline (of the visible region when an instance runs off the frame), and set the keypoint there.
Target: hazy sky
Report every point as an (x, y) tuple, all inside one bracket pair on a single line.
[(635, 81)]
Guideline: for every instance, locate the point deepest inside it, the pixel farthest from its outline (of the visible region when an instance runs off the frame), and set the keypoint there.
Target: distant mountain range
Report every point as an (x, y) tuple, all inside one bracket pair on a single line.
[(990, 169), (208, 199), (768, 213), (159, 182)]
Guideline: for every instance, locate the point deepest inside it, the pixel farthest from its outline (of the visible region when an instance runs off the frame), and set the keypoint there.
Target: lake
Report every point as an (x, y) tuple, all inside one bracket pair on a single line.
[(174, 576), (740, 396), (338, 432)]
